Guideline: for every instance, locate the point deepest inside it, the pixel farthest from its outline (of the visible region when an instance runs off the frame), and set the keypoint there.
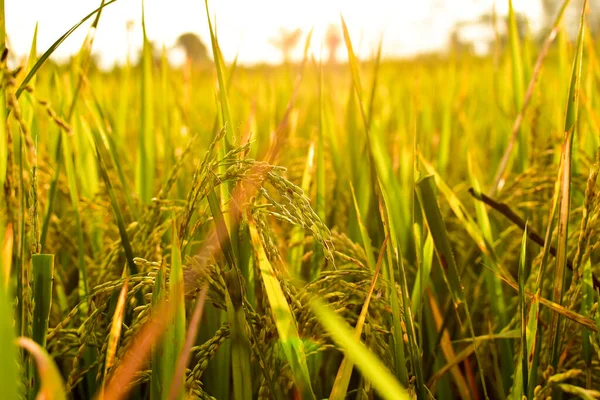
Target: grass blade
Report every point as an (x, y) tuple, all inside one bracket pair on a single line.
[(52, 385), (516, 58), (448, 351), (368, 364), (115, 205), (437, 228), (9, 368), (55, 46), (393, 261), (3, 134), (146, 145), (297, 236), (340, 386), (190, 338), (493, 283), (318, 256), (467, 221), (240, 344), (119, 385), (175, 335), (364, 234), (533, 343), (157, 379), (74, 192), (520, 388), (82, 60), (220, 66), (285, 322), (43, 271), (565, 188), (4, 145), (6, 256), (587, 302), (499, 177)]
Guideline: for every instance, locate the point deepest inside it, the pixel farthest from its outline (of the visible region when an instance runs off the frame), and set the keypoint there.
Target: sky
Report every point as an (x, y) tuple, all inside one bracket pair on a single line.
[(245, 27)]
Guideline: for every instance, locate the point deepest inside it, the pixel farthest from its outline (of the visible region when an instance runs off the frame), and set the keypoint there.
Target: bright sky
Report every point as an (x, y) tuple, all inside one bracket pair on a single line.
[(244, 26)]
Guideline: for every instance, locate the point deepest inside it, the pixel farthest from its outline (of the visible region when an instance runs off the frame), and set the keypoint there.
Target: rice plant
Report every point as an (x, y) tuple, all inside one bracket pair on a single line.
[(376, 229)]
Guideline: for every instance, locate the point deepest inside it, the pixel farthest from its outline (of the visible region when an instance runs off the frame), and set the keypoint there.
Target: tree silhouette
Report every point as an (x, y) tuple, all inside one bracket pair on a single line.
[(484, 23), (286, 42), (195, 50), (333, 40), (571, 19)]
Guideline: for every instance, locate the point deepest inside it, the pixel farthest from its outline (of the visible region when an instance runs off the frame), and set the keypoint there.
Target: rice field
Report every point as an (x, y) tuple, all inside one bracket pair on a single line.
[(372, 229)]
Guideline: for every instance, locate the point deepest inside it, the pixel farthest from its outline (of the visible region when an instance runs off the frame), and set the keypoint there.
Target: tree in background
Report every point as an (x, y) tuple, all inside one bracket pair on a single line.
[(286, 42), (485, 22), (333, 39), (486, 29), (550, 9), (195, 50)]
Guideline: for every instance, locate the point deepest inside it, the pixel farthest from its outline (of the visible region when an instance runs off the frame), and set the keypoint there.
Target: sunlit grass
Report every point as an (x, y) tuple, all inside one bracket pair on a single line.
[(371, 229)]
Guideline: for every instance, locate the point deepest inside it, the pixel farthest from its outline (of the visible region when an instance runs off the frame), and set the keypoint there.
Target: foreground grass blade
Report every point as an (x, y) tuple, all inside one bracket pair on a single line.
[(499, 176), (448, 351), (364, 234), (340, 386), (422, 280), (520, 387), (55, 46), (467, 221), (43, 271), (190, 337), (533, 344), (297, 236), (240, 344), (220, 66), (356, 83), (3, 133), (119, 385), (82, 61), (431, 210), (74, 192), (157, 379), (175, 334), (125, 242), (146, 161), (393, 261), (52, 386), (493, 283), (587, 302), (9, 368), (557, 308), (427, 196), (383, 196), (6, 256), (318, 257), (516, 58), (99, 118), (292, 345), (369, 365), (228, 124), (4, 145), (565, 188)]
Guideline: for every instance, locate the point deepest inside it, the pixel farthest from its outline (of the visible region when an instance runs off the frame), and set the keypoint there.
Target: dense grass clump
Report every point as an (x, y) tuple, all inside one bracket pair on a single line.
[(375, 229)]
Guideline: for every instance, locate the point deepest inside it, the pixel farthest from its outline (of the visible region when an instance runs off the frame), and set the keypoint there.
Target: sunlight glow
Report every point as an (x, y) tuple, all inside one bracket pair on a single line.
[(408, 27)]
